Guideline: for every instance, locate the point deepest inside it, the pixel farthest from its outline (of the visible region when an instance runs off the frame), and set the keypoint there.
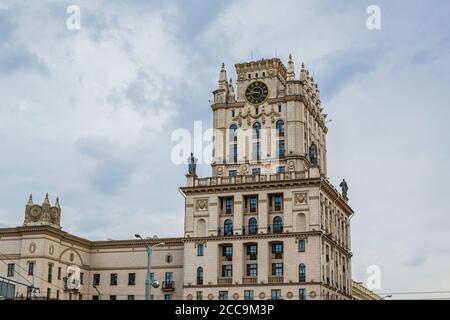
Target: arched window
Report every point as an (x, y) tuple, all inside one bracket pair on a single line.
[(280, 128), (256, 154), (256, 130), (228, 227), (233, 143), (252, 226), (301, 273), (199, 275), (277, 225)]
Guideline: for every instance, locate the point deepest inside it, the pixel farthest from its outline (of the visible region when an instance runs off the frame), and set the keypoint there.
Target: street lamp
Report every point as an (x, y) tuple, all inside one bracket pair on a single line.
[(148, 281), (385, 297)]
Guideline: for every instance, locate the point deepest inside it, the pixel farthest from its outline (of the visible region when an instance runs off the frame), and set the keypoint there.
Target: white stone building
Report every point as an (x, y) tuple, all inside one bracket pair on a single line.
[(267, 224)]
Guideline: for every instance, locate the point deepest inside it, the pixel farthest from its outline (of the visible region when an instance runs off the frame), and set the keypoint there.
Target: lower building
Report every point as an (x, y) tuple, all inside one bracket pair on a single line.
[(360, 292)]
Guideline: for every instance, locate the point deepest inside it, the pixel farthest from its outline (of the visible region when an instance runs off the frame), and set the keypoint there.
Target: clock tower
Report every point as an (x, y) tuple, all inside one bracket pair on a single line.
[(273, 124)]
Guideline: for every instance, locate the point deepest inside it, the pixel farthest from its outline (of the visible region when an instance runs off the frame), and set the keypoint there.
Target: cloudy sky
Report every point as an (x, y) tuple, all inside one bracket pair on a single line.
[(87, 114)]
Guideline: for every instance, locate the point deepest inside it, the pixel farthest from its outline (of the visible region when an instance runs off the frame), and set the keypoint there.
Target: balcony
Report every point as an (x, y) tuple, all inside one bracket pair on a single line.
[(249, 280), (168, 286), (249, 230), (221, 232), (215, 181), (225, 280), (253, 256), (275, 229), (227, 258), (276, 279)]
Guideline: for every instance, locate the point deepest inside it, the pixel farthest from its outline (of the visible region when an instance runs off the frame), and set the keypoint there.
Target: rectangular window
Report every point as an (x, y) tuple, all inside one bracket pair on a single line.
[(252, 270), (227, 251), (200, 249), (167, 297), (281, 169), (59, 273), (112, 297), (132, 279), (168, 277), (256, 154), (278, 202), (80, 297), (256, 171), (95, 298), (57, 294), (223, 295), (229, 205), (302, 294), (277, 269), (31, 268), (232, 173), (50, 272), (227, 271), (113, 281), (199, 295), (281, 151), (253, 203), (277, 250), (301, 245), (249, 295), (130, 297), (275, 294), (10, 270), (49, 292), (252, 251), (81, 278), (96, 279)]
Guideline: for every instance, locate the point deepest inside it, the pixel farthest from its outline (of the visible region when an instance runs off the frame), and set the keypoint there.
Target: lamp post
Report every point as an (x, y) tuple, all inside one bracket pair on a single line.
[(148, 281), (386, 297)]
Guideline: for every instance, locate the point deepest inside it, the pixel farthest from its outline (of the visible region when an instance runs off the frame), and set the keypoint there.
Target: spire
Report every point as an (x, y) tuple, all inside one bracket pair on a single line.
[(223, 77), (290, 69), (46, 201), (30, 200), (303, 75), (57, 203)]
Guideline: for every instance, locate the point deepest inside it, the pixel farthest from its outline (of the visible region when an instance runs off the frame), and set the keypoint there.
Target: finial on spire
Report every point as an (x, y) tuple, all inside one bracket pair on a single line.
[(290, 69), (223, 65), (303, 65), (57, 203), (30, 200), (46, 201)]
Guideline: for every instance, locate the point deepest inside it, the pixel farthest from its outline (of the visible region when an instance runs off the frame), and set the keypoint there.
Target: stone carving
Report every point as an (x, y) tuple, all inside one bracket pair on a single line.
[(291, 165), (220, 171), (289, 295), (32, 247), (313, 153), (249, 116), (192, 165), (344, 188), (299, 198), (42, 214), (201, 204)]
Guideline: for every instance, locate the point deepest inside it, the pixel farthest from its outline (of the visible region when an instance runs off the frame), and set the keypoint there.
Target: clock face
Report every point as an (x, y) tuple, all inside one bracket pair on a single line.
[(257, 92)]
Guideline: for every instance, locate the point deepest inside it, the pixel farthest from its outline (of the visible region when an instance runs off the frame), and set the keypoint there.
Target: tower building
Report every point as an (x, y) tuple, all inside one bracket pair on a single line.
[(265, 224)]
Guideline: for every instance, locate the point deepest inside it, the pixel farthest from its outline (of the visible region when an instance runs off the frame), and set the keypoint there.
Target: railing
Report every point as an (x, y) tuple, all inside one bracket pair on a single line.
[(214, 181), (249, 280), (276, 279), (271, 228), (249, 230), (277, 255), (168, 285), (252, 256), (224, 280), (227, 258), (221, 232)]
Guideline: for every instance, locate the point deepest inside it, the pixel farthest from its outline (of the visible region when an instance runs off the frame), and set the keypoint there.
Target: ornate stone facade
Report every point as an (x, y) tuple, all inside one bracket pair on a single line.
[(262, 226)]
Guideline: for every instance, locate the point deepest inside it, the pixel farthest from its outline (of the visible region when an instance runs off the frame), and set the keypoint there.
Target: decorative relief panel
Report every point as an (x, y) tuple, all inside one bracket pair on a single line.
[(201, 205), (300, 198)]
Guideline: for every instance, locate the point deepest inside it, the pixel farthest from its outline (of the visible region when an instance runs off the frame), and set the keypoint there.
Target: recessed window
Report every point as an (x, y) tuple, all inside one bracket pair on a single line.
[(130, 297), (252, 270), (249, 76), (169, 258), (264, 74), (228, 227), (281, 169), (256, 171), (232, 173), (249, 295), (277, 269), (31, 268), (96, 279), (232, 113), (301, 273), (200, 249), (275, 294), (10, 270), (199, 275), (199, 295), (132, 279), (113, 281), (252, 226), (223, 295), (279, 108), (301, 245), (256, 75), (227, 271)]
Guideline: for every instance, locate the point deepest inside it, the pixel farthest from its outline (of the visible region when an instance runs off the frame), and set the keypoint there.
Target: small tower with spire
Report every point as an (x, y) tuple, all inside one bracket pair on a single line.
[(45, 214), (290, 69), (221, 93)]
